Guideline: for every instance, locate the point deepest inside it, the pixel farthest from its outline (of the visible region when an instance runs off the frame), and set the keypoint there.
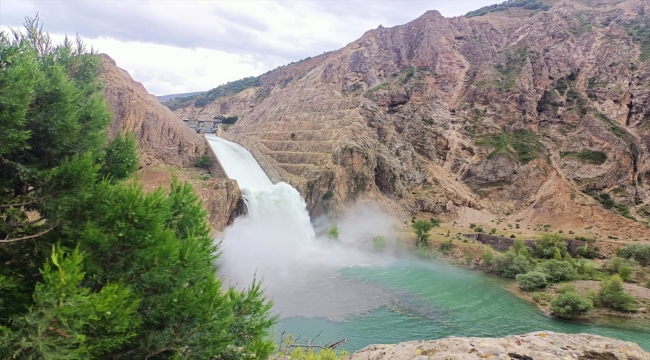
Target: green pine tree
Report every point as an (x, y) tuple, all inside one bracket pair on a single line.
[(92, 267)]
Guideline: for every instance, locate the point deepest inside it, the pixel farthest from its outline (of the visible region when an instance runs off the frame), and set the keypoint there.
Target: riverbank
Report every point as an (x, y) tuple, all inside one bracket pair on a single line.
[(448, 246)]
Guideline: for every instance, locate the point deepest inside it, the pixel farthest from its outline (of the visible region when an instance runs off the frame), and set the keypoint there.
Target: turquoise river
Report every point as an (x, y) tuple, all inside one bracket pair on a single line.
[(432, 301)]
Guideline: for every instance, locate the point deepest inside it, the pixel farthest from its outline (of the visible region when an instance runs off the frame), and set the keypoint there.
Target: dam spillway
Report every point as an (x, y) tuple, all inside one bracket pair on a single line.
[(238, 163), (277, 226)]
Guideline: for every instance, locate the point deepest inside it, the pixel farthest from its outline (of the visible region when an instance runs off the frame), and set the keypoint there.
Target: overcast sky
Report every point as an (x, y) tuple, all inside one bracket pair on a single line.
[(184, 46)]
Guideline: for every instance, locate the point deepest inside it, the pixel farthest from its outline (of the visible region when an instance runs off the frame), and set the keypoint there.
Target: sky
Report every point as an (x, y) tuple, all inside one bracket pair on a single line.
[(194, 45)]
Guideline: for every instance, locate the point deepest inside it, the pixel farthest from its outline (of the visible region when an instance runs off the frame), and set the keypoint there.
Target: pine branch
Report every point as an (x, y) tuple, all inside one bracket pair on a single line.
[(7, 240)]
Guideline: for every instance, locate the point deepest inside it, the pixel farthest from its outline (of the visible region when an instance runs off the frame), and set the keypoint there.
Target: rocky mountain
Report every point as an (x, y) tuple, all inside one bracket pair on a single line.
[(162, 136), (535, 114)]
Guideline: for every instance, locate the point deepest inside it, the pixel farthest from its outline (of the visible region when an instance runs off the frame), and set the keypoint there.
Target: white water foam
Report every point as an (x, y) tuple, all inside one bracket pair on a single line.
[(276, 242)]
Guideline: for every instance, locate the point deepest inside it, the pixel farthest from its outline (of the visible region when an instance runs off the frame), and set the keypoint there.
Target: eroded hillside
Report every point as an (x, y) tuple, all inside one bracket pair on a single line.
[(540, 116), (167, 147)]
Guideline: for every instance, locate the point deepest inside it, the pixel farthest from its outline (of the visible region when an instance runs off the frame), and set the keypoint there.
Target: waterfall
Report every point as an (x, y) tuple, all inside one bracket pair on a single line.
[(275, 242), (277, 228)]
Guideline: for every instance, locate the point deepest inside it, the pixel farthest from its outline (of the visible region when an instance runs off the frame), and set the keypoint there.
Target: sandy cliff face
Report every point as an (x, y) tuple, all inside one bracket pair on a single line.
[(537, 116), (162, 136)]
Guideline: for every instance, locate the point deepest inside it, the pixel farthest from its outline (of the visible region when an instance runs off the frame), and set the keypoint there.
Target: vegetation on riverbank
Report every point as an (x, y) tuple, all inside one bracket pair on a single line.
[(546, 273)]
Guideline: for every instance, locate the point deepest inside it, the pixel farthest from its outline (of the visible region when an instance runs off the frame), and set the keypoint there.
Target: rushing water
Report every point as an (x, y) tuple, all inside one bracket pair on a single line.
[(342, 290)]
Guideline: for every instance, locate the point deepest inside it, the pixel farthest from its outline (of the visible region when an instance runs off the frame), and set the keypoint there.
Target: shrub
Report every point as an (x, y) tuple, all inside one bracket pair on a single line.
[(203, 161), (557, 271), (615, 264), (446, 246), (531, 281), (478, 229), (541, 297), (469, 257), (488, 255), (625, 272), (379, 242), (638, 252), (612, 294), (333, 232), (329, 194), (570, 304), (586, 252), (422, 229), (549, 246), (435, 222), (511, 264), (311, 354), (512, 236)]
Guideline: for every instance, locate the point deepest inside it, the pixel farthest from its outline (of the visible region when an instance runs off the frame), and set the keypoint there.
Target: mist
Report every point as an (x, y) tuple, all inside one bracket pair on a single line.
[(298, 264)]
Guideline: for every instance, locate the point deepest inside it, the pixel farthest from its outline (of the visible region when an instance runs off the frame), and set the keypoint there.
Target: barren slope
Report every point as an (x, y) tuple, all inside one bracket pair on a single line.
[(538, 116)]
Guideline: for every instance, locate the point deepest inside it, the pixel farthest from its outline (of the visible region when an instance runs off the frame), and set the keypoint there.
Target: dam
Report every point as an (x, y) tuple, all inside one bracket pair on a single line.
[(344, 289)]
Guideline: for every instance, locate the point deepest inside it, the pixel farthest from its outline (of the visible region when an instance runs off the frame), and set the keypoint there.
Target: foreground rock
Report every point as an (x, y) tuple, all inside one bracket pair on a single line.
[(536, 345)]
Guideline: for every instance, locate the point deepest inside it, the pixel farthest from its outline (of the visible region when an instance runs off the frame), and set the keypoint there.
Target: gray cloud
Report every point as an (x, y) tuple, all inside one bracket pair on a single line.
[(233, 38), (247, 28)]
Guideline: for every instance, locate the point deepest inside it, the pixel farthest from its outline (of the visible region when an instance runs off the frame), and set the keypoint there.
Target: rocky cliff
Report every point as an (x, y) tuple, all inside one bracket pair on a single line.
[(162, 136), (539, 116), (165, 143), (537, 345)]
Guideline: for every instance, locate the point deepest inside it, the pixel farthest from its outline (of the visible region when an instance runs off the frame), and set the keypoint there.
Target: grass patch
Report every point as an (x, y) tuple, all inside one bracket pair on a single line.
[(609, 203), (384, 86), (586, 156), (202, 99), (614, 128), (510, 70), (526, 4), (639, 31), (522, 145)]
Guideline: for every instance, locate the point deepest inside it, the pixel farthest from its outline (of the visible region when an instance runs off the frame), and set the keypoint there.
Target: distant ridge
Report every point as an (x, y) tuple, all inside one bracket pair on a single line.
[(164, 98)]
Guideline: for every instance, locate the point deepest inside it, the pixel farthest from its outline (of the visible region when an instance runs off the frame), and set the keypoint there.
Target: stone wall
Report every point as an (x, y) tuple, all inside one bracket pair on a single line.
[(249, 145), (216, 170), (502, 244)]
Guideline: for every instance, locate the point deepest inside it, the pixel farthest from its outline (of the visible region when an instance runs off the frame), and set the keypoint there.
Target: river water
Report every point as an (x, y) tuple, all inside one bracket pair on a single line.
[(343, 289)]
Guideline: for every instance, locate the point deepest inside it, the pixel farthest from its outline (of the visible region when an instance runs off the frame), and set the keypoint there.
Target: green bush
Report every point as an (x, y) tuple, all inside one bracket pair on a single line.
[(488, 255), (613, 295), (541, 297), (549, 246), (570, 304), (526, 145), (422, 229), (638, 252), (446, 246), (510, 264), (311, 354), (531, 281), (557, 270), (469, 257), (586, 156), (203, 161), (586, 252), (379, 242), (333, 232)]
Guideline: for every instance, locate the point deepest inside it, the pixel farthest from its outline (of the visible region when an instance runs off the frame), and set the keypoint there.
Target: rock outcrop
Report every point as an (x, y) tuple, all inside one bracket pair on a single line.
[(162, 136), (535, 116), (536, 345), (165, 144)]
